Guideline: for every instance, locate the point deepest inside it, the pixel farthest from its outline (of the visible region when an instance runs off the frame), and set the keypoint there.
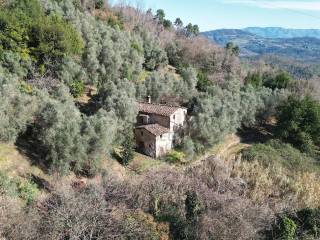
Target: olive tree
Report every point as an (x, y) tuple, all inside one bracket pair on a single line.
[(69, 140), (17, 107)]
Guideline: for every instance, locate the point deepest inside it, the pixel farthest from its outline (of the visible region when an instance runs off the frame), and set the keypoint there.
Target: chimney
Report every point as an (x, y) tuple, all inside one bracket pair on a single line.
[(149, 99)]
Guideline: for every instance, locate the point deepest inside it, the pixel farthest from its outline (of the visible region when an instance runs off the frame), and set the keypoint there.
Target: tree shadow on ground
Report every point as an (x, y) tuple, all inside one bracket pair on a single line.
[(28, 146), (41, 183), (116, 155), (89, 106), (256, 134)]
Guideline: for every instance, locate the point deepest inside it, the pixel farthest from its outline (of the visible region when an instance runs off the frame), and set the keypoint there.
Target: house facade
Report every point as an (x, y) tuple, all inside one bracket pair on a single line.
[(158, 127)]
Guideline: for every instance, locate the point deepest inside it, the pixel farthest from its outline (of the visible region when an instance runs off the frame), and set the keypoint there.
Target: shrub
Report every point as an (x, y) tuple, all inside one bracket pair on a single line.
[(301, 224), (25, 88), (53, 38), (288, 229), (114, 22), (254, 79), (203, 82), (139, 220), (77, 88), (174, 157), (279, 81), (299, 123), (25, 29), (99, 4), (16, 187), (232, 48), (14, 31), (193, 206), (27, 191), (8, 187), (174, 53), (188, 148), (309, 221)]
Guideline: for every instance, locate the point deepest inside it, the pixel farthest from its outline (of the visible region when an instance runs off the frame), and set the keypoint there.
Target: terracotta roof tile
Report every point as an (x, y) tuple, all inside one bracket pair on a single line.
[(155, 129), (164, 110)]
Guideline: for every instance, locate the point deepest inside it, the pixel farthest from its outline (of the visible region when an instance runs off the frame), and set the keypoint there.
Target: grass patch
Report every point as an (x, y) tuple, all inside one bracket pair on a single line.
[(14, 162), (141, 163), (143, 75), (276, 152), (276, 172), (16, 187), (5, 150)]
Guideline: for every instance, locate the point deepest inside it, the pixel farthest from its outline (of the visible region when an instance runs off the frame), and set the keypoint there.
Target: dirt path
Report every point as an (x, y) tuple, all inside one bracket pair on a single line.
[(227, 150)]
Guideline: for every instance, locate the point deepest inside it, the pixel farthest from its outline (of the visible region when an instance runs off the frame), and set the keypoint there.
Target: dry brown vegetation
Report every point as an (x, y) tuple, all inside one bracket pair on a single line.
[(118, 208), (237, 199), (136, 16), (279, 187), (205, 55)]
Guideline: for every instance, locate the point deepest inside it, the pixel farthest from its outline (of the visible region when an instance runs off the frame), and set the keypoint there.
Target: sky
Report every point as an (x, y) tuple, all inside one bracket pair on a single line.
[(216, 14)]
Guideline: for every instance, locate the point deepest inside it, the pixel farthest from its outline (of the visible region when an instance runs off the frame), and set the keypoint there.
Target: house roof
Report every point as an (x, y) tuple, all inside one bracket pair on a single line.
[(154, 129), (160, 109)]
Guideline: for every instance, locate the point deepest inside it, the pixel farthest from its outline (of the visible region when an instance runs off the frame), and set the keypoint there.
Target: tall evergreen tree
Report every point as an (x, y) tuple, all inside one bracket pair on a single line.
[(127, 153)]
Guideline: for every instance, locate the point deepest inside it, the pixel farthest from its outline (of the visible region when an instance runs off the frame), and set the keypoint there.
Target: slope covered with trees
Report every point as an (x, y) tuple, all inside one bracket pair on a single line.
[(51, 51)]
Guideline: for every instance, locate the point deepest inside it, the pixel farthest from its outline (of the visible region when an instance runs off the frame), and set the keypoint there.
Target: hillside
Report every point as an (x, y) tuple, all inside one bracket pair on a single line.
[(252, 44), (85, 86)]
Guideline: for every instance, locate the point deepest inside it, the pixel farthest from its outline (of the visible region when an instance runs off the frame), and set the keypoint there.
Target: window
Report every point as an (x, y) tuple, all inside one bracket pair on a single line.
[(174, 116), (140, 119), (141, 133), (161, 136)]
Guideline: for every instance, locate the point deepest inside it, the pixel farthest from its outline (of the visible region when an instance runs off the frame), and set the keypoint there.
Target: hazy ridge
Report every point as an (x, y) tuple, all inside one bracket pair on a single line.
[(297, 44)]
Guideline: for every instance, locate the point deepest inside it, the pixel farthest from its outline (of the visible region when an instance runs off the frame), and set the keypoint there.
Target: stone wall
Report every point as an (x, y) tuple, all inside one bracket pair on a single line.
[(178, 119), (164, 144), (161, 120), (145, 142)]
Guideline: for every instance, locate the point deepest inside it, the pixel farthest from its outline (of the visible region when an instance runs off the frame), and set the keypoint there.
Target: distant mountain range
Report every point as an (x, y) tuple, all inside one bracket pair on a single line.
[(277, 32), (298, 44)]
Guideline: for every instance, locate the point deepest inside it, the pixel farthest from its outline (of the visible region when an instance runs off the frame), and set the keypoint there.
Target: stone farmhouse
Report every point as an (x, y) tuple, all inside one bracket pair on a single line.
[(158, 127)]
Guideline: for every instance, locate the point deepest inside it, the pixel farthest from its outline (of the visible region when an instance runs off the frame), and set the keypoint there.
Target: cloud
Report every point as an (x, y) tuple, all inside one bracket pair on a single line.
[(293, 5)]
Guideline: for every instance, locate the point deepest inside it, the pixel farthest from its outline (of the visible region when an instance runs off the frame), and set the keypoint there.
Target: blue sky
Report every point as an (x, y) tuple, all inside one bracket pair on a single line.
[(214, 14)]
